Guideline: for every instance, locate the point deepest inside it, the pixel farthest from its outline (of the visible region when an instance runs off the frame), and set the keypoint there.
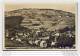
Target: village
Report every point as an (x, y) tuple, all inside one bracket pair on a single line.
[(39, 29)]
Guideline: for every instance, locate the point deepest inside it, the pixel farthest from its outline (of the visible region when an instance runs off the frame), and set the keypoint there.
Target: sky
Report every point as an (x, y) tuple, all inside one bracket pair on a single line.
[(64, 7)]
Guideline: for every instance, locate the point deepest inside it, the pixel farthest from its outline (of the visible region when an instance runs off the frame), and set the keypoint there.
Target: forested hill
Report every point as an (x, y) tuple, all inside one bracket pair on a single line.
[(49, 18)]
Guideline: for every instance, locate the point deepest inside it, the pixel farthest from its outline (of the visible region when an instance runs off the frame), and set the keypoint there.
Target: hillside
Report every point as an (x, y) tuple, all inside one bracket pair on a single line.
[(48, 18)]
